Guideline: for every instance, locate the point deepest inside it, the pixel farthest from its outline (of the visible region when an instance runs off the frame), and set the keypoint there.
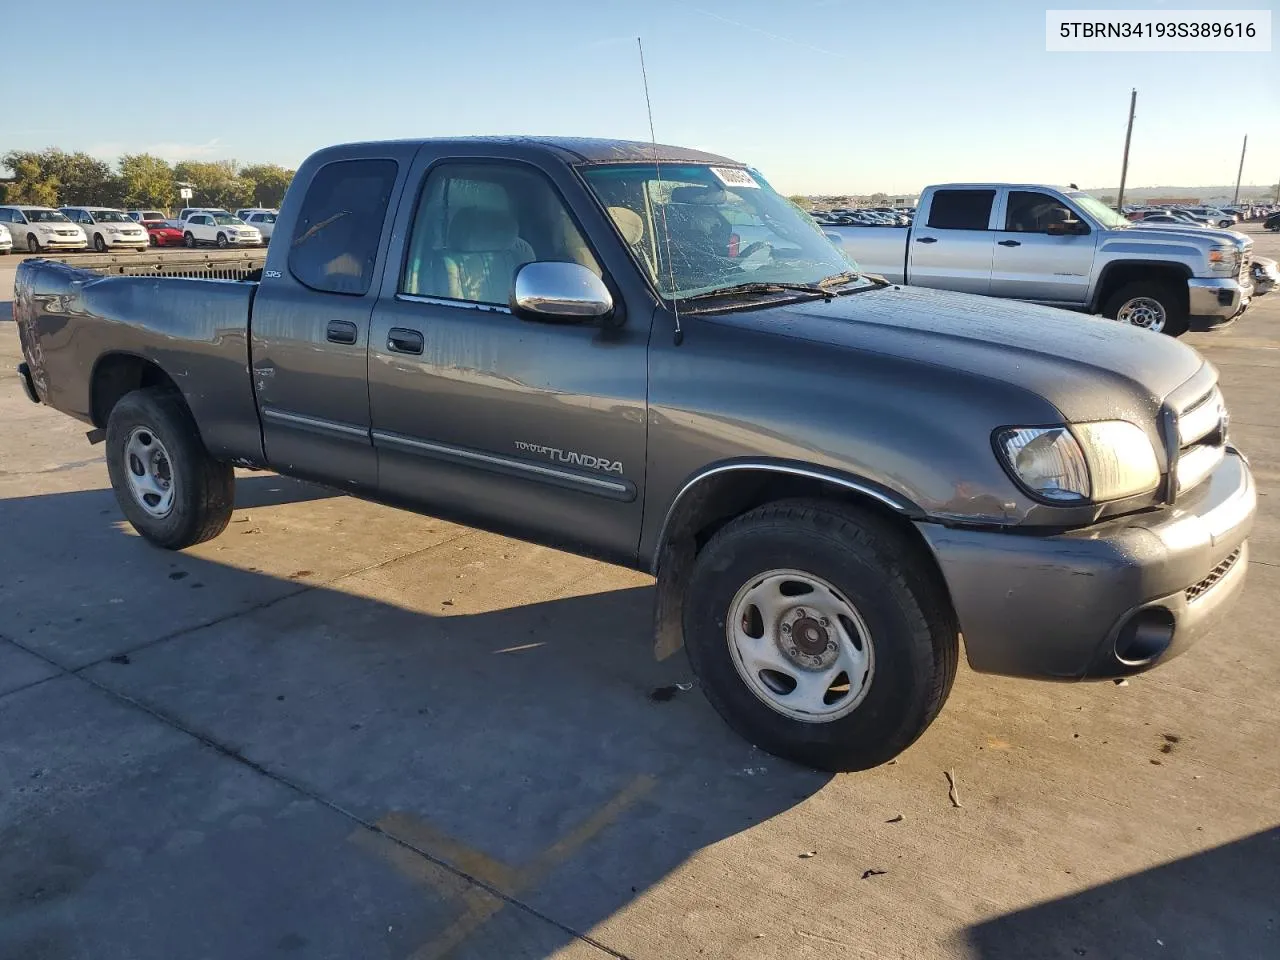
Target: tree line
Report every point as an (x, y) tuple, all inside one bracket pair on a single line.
[(55, 178)]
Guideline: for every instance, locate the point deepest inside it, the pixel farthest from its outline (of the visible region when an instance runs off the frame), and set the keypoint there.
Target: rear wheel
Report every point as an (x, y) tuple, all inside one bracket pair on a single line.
[(820, 633), (169, 487), (189, 239), (1151, 305)]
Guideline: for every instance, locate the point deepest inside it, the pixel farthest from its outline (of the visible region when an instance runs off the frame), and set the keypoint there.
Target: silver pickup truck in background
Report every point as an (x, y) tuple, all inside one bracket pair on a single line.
[(1060, 248)]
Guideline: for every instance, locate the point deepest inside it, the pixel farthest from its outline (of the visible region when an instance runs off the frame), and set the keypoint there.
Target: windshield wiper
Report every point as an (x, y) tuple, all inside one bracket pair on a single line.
[(850, 275), (762, 286)]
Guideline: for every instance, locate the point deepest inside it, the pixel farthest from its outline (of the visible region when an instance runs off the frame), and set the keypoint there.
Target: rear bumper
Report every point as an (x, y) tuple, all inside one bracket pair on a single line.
[(1109, 600), (1217, 299)]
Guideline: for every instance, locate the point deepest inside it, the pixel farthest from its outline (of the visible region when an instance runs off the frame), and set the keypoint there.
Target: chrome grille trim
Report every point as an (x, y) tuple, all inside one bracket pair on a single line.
[(1201, 418), (1197, 463)]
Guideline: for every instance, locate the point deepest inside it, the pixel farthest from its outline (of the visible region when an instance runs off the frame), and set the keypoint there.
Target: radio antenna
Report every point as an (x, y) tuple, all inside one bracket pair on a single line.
[(662, 207)]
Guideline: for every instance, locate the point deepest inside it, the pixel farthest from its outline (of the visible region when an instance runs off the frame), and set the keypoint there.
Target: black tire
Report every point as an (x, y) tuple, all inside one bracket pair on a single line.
[(203, 488), (99, 244), (889, 580), (189, 239), (152, 240), (33, 245), (222, 241), (1174, 303)]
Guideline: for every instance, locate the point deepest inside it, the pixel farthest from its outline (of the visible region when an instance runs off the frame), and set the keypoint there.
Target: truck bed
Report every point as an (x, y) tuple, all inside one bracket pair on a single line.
[(75, 323)]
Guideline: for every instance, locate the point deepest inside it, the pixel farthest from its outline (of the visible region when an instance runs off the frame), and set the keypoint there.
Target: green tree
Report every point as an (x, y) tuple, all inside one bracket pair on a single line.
[(880, 198), (32, 183), (81, 178), (146, 181), (269, 180), (215, 184)]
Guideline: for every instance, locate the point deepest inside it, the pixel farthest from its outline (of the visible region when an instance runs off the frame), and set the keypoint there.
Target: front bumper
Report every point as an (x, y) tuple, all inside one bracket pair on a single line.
[(1218, 299), (131, 242), (1108, 600), (62, 243)]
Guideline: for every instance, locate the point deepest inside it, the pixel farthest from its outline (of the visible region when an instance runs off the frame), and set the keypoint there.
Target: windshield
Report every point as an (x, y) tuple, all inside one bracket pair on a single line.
[(44, 216), (152, 215), (226, 219), (726, 226), (109, 216), (1099, 211)]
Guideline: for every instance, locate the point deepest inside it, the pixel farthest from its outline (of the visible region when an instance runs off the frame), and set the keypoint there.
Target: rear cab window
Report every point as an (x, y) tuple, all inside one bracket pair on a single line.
[(335, 242), (961, 209)]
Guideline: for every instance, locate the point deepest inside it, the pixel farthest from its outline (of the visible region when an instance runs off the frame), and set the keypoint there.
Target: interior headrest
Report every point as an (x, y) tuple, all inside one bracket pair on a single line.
[(629, 224), (477, 230)]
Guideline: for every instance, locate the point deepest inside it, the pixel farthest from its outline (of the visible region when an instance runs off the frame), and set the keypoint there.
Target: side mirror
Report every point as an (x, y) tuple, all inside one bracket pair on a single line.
[(559, 293), (834, 238)]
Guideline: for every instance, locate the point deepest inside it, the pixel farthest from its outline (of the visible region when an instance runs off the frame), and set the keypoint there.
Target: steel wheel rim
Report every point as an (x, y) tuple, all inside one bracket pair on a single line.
[(800, 646), (150, 472), (1144, 312)]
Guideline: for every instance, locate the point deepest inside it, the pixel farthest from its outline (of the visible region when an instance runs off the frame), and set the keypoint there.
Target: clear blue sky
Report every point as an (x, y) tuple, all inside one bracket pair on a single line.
[(821, 95)]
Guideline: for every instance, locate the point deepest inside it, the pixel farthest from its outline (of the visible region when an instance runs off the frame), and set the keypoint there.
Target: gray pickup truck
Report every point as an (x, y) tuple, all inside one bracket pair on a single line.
[(833, 478), (1061, 248)]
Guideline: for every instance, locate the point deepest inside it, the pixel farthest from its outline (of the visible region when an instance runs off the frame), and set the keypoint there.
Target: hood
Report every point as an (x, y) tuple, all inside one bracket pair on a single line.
[(1088, 368), (1215, 234), (55, 225), (160, 225)]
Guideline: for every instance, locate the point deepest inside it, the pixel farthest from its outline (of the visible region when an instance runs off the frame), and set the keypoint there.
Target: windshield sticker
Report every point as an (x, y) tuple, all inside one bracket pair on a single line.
[(733, 177)]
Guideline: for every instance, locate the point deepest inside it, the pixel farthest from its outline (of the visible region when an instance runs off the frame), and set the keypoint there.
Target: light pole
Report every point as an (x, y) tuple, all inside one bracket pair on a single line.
[(1239, 173), (1124, 164)]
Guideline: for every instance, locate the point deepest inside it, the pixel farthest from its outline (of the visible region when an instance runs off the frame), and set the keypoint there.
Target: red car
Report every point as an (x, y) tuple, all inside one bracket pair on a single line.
[(163, 234)]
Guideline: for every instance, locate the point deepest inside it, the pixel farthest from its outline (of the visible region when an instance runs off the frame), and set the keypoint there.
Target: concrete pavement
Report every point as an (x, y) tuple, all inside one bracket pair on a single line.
[(339, 730)]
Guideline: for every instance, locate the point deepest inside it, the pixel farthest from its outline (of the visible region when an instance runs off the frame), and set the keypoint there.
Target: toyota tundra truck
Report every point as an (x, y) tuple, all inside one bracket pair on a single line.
[(1063, 248), (645, 354)]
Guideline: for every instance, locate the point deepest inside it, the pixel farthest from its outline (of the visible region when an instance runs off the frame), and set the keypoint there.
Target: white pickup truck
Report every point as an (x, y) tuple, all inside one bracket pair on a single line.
[(1063, 248)]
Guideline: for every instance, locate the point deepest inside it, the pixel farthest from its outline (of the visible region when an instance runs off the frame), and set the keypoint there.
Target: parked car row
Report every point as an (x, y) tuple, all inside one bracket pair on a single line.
[(37, 229), (866, 217), (1219, 217)]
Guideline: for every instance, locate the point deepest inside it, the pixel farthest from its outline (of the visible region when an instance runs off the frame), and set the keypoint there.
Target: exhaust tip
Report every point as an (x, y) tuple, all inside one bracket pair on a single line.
[(1145, 636)]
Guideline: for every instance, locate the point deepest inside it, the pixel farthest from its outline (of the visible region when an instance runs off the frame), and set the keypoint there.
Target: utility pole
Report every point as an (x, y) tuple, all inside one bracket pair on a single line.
[(1240, 172), (1128, 134)]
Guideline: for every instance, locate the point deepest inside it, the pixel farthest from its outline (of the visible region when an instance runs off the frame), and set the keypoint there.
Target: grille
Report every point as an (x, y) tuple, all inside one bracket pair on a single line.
[(1198, 590), (1202, 438)]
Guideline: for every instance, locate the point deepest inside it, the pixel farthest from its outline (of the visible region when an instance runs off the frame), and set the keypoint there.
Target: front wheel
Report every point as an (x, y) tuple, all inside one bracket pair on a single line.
[(222, 241), (188, 239), (33, 245), (821, 634), (1150, 305), (99, 244), (173, 492)]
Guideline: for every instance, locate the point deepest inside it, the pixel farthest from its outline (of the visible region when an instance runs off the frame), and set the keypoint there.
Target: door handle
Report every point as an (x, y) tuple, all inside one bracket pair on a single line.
[(1009, 243), (926, 239), (340, 331), (403, 340)]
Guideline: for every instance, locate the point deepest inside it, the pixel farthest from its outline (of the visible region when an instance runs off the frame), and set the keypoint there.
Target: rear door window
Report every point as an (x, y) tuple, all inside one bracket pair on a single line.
[(961, 209), (335, 241)]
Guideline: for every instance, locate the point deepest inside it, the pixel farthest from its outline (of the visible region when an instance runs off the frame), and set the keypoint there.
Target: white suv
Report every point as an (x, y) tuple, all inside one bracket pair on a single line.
[(263, 220), (107, 228), (6, 239), (221, 229), (41, 228)]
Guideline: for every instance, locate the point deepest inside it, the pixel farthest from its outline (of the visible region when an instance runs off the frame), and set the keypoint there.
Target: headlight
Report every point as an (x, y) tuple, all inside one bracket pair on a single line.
[(1106, 460), (113, 229), (1224, 259)]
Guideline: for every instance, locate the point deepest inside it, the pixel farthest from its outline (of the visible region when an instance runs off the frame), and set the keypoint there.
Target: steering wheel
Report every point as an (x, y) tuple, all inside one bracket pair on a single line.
[(754, 255)]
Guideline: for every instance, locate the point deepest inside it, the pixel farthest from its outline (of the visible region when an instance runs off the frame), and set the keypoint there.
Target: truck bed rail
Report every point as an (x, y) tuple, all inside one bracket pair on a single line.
[(196, 264)]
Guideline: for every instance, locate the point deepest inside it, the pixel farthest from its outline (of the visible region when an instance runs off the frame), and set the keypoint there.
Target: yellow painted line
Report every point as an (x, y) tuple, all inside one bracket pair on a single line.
[(479, 905)]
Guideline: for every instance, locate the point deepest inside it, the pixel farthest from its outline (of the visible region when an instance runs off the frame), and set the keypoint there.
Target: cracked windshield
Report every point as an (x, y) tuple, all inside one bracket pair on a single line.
[(727, 227)]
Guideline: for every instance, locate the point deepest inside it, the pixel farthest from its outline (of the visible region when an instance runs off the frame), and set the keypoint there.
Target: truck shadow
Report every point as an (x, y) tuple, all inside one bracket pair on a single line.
[(534, 747), (1222, 903)]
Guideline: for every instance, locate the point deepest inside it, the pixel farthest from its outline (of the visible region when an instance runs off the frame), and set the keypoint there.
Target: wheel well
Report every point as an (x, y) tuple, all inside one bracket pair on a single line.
[(1170, 275), (722, 497), (118, 374)]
